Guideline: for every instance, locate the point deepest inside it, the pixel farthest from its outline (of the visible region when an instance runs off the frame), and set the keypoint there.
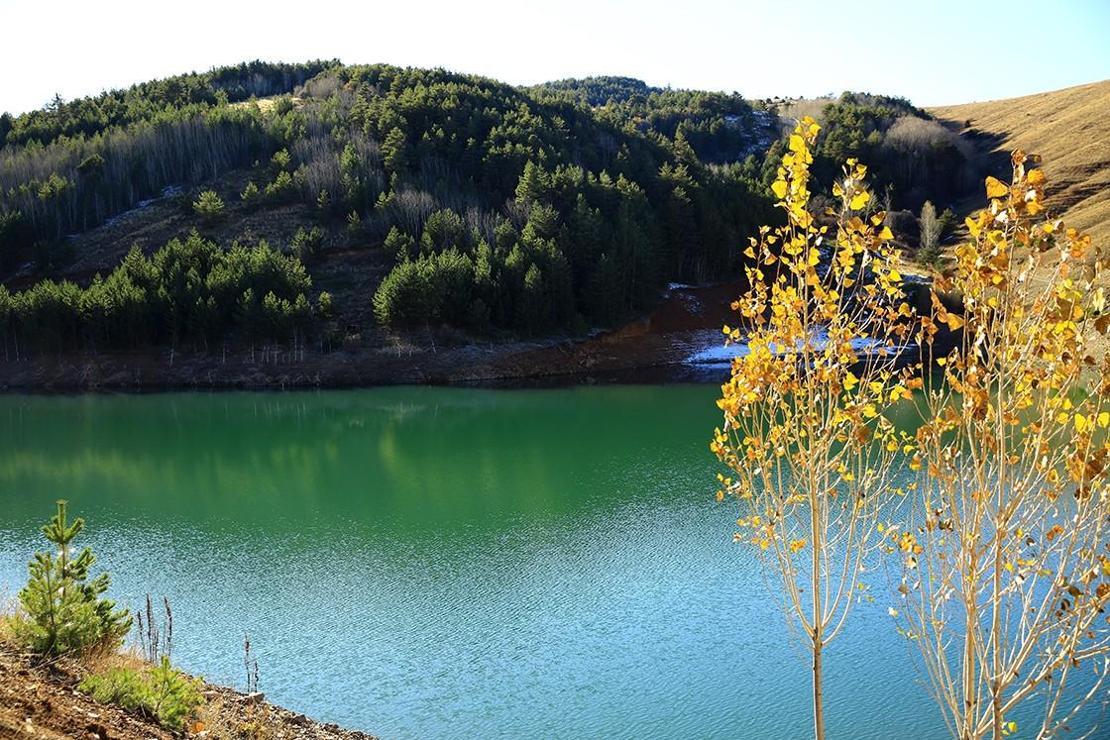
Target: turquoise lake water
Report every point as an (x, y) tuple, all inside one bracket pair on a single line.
[(442, 563)]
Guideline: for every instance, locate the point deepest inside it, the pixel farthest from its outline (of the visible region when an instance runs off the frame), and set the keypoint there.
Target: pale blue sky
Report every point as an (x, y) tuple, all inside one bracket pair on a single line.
[(946, 51)]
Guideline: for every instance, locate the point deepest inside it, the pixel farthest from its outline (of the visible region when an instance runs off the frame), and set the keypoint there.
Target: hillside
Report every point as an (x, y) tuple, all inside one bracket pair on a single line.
[(1069, 128), (349, 223)]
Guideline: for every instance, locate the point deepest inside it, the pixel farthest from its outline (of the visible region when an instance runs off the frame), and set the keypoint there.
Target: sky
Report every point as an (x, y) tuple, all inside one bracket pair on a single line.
[(933, 52)]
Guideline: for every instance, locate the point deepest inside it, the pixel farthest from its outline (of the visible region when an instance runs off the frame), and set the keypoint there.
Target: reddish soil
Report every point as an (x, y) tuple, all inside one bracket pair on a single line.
[(40, 700), (652, 349)]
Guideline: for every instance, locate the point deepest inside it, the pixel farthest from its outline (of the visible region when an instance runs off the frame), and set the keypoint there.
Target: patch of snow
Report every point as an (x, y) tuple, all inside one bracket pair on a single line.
[(718, 355), (722, 355), (766, 130), (169, 191)]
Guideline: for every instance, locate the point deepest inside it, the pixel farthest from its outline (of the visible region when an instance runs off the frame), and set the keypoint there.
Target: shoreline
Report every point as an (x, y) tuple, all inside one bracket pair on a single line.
[(39, 699), (679, 342), (663, 371), (656, 348)]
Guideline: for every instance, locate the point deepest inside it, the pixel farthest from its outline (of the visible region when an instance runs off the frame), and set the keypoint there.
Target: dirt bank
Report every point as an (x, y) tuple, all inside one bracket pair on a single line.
[(40, 700), (655, 348)]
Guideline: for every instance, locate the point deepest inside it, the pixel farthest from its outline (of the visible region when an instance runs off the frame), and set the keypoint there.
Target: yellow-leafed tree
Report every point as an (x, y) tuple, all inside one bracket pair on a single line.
[(1006, 566), (808, 436)]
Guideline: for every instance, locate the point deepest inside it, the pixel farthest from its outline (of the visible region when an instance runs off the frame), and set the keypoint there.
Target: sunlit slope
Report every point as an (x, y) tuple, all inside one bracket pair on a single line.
[(1070, 129)]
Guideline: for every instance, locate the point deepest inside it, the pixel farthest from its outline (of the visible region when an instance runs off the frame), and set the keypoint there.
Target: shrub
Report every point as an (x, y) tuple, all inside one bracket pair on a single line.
[(63, 610), (208, 205), (160, 691)]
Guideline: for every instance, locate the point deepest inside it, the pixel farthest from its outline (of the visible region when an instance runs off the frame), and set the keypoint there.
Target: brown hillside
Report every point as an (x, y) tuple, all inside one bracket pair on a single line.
[(1069, 128)]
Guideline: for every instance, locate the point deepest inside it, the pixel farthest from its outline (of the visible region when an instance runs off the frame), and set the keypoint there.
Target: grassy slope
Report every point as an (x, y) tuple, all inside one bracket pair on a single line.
[(1069, 128)]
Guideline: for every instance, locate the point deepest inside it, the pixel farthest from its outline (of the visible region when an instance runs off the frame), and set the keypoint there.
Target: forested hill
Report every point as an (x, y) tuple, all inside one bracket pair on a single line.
[(440, 198)]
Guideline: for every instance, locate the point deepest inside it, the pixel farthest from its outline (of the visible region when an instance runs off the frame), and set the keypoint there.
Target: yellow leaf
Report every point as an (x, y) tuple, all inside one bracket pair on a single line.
[(1035, 177), (996, 188), (886, 234), (778, 187), (1104, 419), (954, 322), (850, 381), (972, 226), (797, 143), (859, 200)]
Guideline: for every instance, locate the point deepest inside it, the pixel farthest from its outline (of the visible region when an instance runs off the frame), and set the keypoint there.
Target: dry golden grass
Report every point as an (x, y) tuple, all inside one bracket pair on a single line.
[(267, 104), (1070, 129)]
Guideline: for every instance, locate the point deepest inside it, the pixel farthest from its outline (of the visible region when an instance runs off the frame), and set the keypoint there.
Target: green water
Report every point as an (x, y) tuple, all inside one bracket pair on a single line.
[(427, 563)]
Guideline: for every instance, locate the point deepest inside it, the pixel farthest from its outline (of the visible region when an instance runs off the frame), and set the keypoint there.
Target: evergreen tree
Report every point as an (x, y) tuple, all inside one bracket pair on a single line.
[(531, 186), (209, 205), (443, 229), (65, 610), (250, 194), (394, 150), (532, 309), (399, 245)]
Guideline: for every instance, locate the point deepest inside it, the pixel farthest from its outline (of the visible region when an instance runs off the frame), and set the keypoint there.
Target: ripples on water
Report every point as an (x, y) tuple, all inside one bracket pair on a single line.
[(427, 563)]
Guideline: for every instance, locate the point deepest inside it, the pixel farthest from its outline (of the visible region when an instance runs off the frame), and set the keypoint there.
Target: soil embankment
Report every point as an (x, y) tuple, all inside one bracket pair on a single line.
[(40, 700), (656, 348)]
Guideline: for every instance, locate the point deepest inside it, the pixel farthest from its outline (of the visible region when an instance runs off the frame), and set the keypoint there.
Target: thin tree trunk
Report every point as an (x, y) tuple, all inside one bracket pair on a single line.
[(818, 696), (969, 711), (818, 620)]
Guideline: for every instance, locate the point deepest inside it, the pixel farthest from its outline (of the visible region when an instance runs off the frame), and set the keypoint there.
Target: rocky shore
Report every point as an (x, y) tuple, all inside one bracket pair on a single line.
[(40, 700)]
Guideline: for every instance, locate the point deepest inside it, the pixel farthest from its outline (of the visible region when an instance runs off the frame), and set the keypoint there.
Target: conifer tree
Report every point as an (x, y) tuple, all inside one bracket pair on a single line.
[(209, 205), (65, 611)]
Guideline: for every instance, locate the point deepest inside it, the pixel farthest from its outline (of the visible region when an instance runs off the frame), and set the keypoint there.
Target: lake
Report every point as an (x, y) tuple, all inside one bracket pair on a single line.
[(442, 563)]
